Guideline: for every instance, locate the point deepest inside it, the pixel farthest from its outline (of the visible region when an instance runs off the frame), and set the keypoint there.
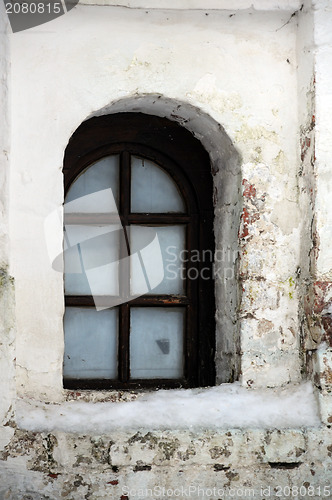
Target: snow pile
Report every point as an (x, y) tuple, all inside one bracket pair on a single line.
[(224, 406)]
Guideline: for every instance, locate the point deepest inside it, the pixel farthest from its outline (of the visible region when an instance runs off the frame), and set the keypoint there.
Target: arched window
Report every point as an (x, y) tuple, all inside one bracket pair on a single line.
[(139, 247)]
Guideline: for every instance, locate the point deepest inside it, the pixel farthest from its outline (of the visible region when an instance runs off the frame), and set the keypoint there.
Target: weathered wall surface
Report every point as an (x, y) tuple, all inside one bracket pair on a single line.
[(322, 285), (239, 69), (236, 464), (4, 136), (254, 86), (314, 78), (7, 337), (307, 184)]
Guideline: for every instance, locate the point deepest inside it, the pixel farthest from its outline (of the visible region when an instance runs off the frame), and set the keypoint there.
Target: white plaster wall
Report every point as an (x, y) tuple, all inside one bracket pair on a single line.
[(322, 11), (234, 69), (306, 99), (280, 5), (240, 68), (323, 58), (7, 339)]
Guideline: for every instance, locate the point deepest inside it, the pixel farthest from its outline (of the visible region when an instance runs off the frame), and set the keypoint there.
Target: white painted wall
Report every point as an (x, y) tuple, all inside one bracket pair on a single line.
[(322, 11), (7, 321), (323, 55), (4, 135), (241, 70), (270, 5)]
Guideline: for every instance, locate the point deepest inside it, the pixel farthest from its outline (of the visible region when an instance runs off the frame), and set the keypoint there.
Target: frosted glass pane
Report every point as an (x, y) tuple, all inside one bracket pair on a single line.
[(91, 259), (156, 269), (90, 343), (153, 189), (156, 342), (96, 190)]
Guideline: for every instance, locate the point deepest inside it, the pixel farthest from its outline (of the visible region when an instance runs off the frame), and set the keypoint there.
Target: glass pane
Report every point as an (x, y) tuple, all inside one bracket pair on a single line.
[(90, 343), (156, 267), (156, 342), (153, 189), (96, 190), (91, 259)]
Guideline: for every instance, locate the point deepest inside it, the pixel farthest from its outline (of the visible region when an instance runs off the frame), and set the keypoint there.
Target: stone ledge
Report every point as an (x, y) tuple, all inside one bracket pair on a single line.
[(282, 449)]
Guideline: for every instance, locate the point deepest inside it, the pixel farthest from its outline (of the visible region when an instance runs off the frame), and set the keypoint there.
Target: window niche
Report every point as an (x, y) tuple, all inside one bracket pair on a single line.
[(131, 181)]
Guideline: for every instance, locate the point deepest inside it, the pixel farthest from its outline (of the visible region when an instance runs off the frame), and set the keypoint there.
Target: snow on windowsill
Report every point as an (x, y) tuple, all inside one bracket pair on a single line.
[(224, 406)]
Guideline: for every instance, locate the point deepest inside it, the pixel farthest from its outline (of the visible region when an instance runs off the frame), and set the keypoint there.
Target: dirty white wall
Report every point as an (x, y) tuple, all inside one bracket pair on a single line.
[(306, 177), (322, 286), (237, 67), (262, 74), (4, 135)]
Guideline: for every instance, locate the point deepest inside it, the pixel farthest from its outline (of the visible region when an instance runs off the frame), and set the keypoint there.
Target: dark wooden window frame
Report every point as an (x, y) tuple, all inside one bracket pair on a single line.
[(183, 157)]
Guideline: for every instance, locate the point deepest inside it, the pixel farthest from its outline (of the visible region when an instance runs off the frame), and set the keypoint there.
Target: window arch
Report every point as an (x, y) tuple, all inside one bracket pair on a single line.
[(138, 256)]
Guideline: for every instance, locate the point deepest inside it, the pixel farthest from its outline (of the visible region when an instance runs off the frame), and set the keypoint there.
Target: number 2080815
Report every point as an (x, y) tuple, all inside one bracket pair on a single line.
[(34, 8)]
